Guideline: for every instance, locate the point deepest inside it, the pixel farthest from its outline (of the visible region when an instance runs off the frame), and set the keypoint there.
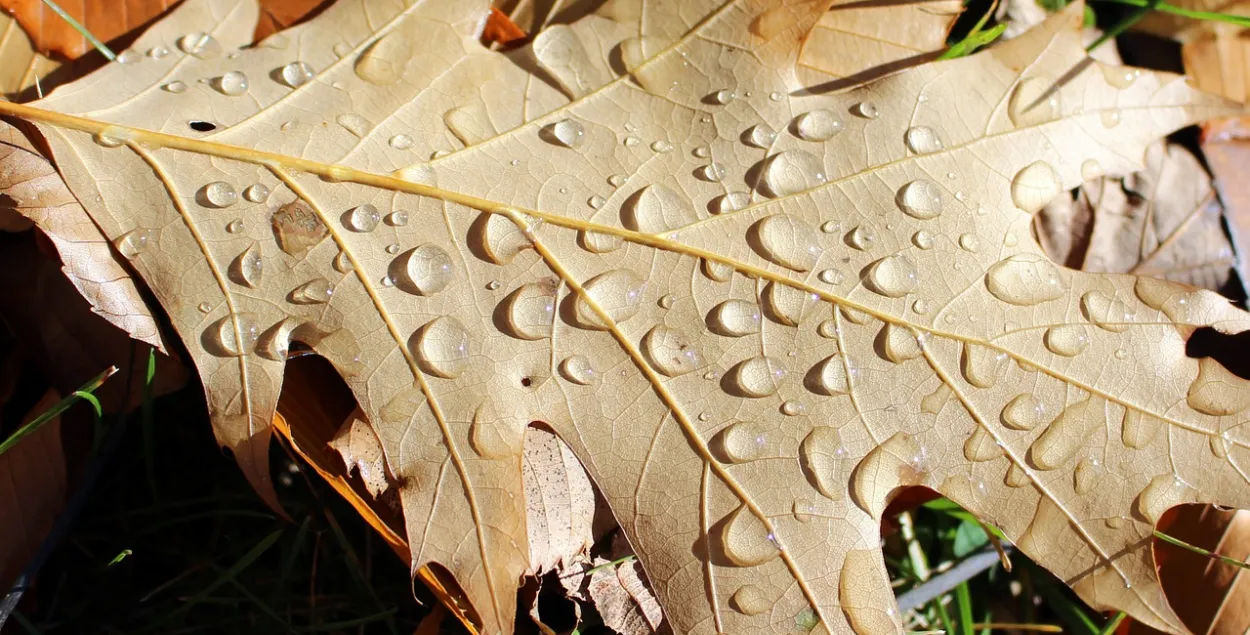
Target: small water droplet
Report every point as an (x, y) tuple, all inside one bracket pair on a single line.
[(923, 140), (442, 347), (631, 141), (826, 461), (982, 365), (218, 194), (1024, 280), (866, 109), (746, 540), (617, 180), (922, 239), (775, 96), (862, 238), (662, 146), (530, 311), (296, 74), (617, 293), (1034, 101), (713, 172), (134, 242), (1110, 117), (425, 270), (787, 241), (235, 226), (831, 227), (1025, 412), (233, 335), (199, 44), (578, 369), (671, 351), (1163, 492), (354, 123), (921, 199), (757, 377), (1091, 169), (827, 329), (788, 305), (596, 201), (817, 125), (1034, 186), (830, 276), (175, 87), (656, 209), (735, 318), (383, 63), (566, 132), (893, 276), (760, 136), (717, 271), (362, 218), (317, 291), (598, 243), (969, 242), (724, 96), (666, 301), (157, 52), (731, 202), (232, 84), (1120, 77), (1067, 340), (400, 142), (205, 307), (898, 462), (397, 218), (921, 306), (256, 193), (792, 172)]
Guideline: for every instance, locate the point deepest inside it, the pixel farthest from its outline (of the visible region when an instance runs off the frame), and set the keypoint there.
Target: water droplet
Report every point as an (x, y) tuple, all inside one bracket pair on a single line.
[(788, 305), (921, 306), (617, 180), (175, 87), (235, 226), (1119, 76), (217, 194), (786, 241), (757, 377), (734, 318), (671, 351), (199, 44), (701, 152), (248, 268), (386, 281), (397, 219), (922, 239), (1121, 354), (746, 539), (760, 135), (662, 146), (598, 243), (1091, 169), (362, 218), (354, 123), (383, 62), (866, 109), (1034, 186), (132, 243), (158, 52), (731, 202), (1025, 412), (1024, 280), (617, 293), (898, 343), (400, 142), (530, 311), (750, 600), (233, 335), (893, 276), (1089, 471), (862, 238), (865, 594), (631, 141), (792, 172), (775, 96), (425, 270), (656, 209), (233, 83), (1010, 240), (817, 125), (403, 406), (442, 347), (1016, 477), (666, 301), (829, 377), (498, 429), (578, 369), (980, 446), (256, 193), (897, 462), (1216, 391), (830, 276), (716, 271), (713, 172), (921, 199), (969, 242), (831, 227), (1163, 492), (982, 365), (296, 74), (1105, 311), (1034, 101), (791, 408), (596, 201), (1067, 340), (343, 263), (205, 307), (317, 291), (1062, 437), (1110, 118), (566, 132), (923, 140)]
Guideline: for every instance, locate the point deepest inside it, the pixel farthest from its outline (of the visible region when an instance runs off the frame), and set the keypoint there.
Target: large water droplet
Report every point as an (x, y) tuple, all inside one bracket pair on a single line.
[(746, 540), (617, 293), (735, 318), (248, 269), (1216, 391), (756, 377), (716, 271), (923, 140), (134, 242), (199, 44), (425, 270), (787, 241), (296, 74), (829, 377), (1163, 492), (1025, 412), (1024, 280), (746, 441), (826, 461), (981, 447), (362, 218), (897, 462), (232, 336), (1034, 101), (862, 238), (217, 194), (898, 343), (1062, 437), (893, 276), (579, 370), (233, 83), (383, 63), (498, 429), (1067, 340), (982, 365), (442, 347), (1034, 186), (921, 199), (316, 291), (865, 594), (792, 172), (1105, 311), (529, 311), (788, 305), (1138, 429), (750, 600), (566, 132), (760, 135), (817, 125), (655, 209)]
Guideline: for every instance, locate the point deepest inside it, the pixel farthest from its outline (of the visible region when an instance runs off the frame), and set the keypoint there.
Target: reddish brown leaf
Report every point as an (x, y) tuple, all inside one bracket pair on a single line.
[(500, 28), (32, 491)]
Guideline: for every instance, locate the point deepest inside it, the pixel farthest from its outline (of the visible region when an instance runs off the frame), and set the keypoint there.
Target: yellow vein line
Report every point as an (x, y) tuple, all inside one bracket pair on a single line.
[(708, 574), (430, 398), (672, 402)]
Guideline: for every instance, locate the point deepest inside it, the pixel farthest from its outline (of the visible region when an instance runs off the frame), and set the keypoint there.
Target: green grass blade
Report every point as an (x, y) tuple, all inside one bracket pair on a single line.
[(69, 19), (1199, 550), (963, 601), (145, 417), (1163, 7), (1114, 623), (61, 406), (1125, 23)]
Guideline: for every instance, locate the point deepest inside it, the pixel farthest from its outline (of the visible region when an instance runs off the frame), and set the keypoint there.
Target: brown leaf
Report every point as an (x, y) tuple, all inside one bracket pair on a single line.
[(559, 502), (1226, 145), (32, 491), (623, 599), (20, 63), (870, 247), (360, 449)]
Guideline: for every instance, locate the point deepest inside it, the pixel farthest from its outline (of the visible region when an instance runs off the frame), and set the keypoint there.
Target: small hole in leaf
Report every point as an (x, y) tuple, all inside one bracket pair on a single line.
[(202, 126), (527, 382)]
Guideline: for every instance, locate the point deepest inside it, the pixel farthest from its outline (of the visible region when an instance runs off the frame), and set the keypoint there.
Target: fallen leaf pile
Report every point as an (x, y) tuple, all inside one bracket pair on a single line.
[(753, 311)]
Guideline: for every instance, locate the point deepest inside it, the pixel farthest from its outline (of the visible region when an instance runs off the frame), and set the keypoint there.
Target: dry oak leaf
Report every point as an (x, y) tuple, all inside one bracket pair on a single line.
[(752, 313)]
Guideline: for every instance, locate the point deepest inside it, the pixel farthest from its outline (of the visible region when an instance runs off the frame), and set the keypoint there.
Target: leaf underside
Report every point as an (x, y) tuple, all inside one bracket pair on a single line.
[(753, 312)]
